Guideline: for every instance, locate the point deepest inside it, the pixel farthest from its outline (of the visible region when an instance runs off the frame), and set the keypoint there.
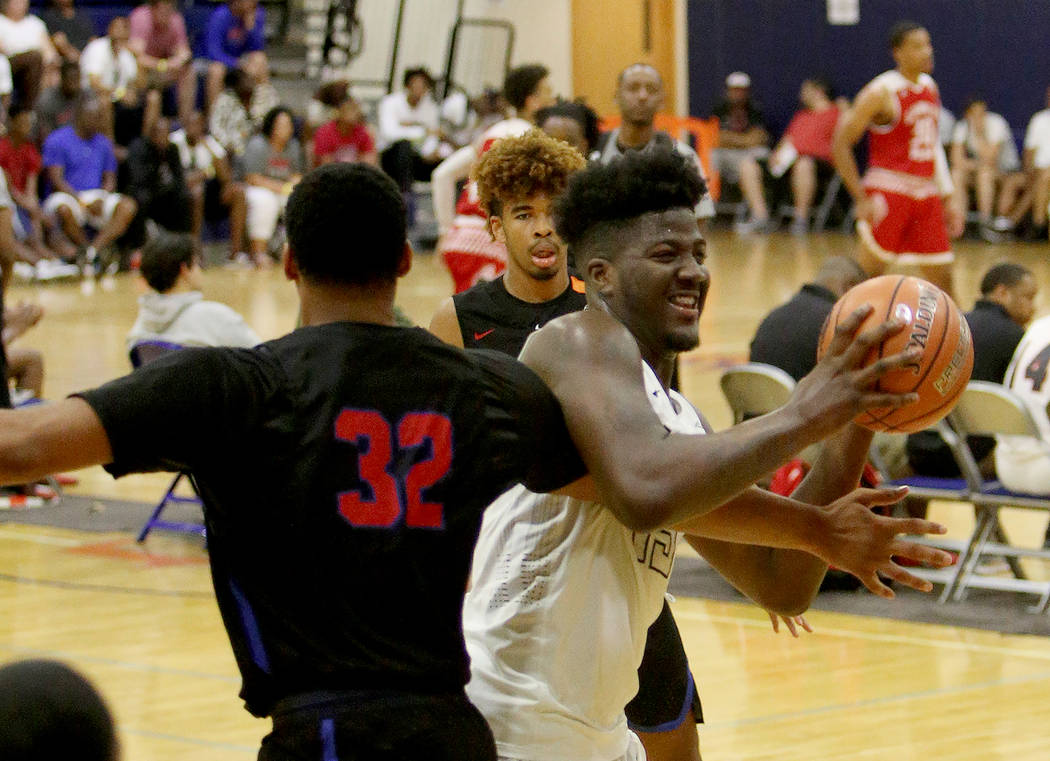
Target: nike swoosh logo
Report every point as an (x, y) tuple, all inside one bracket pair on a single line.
[(479, 336)]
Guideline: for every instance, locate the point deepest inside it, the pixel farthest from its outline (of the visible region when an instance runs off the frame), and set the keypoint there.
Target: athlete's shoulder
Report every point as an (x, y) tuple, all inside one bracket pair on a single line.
[(587, 339), (889, 81), (928, 82)]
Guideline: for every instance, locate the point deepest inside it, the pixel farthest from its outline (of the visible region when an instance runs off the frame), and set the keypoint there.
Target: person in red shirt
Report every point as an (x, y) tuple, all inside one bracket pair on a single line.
[(345, 138), (21, 162), (905, 206), (806, 147)]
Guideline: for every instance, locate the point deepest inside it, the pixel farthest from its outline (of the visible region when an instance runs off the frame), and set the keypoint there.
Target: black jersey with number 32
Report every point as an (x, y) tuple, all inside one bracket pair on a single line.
[(490, 318), (344, 469)]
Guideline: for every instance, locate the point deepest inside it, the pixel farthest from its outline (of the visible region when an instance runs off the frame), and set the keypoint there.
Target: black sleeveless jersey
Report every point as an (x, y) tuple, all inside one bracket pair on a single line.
[(344, 469), (490, 318)]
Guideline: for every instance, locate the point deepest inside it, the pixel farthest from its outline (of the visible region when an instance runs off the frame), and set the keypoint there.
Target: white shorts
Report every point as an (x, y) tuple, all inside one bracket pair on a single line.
[(635, 751), (81, 215)]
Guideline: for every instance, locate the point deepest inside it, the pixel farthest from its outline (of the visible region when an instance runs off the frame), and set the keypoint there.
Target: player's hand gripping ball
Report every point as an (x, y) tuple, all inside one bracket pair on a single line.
[(933, 323)]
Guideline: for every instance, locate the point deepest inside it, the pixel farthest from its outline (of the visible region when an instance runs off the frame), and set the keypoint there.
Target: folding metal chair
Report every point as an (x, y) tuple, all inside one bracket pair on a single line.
[(140, 354), (755, 389), (989, 409)]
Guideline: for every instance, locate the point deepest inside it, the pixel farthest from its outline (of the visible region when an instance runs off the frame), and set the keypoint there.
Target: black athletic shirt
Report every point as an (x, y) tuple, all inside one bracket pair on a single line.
[(293, 443), (490, 318)]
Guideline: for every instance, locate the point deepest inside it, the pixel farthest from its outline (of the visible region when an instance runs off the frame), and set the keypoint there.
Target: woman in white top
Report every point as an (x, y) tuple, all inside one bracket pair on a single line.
[(27, 45)]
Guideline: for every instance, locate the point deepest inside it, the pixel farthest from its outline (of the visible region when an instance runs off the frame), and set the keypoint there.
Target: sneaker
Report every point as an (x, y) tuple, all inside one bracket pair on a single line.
[(799, 227), (990, 235), (52, 269), (1002, 225), (24, 271), (242, 261), (754, 226)]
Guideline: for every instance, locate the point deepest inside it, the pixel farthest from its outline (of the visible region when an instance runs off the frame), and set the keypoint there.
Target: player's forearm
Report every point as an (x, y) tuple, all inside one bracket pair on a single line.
[(846, 166), (781, 581), (838, 468)]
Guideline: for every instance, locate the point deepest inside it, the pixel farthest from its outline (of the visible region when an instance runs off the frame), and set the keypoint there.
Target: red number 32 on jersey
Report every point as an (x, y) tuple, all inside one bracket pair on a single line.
[(383, 499)]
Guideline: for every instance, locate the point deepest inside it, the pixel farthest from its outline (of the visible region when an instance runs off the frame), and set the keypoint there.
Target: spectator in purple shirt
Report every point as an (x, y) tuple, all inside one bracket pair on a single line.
[(235, 38), (82, 172)]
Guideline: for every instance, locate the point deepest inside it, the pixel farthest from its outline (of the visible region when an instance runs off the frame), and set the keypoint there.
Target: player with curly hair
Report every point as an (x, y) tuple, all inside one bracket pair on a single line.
[(518, 181)]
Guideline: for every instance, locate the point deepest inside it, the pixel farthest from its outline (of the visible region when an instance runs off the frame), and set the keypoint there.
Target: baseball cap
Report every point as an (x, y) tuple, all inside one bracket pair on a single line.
[(738, 79)]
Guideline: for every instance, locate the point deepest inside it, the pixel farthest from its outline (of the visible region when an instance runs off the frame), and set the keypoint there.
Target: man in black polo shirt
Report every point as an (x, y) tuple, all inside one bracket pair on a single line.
[(997, 322), (787, 337)]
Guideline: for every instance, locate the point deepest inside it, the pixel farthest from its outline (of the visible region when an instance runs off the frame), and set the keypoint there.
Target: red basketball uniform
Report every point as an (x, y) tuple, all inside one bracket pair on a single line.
[(900, 179), (468, 249)]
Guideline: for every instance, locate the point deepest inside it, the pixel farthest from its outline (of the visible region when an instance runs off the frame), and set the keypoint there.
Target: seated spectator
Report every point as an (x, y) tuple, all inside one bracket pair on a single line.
[(157, 37), (110, 71), (239, 111), (409, 136), (983, 154), (27, 45), (155, 179), (49, 711), (235, 38), (345, 138), (273, 164), (70, 29), (21, 162), (210, 180), (1033, 194), (82, 172), (25, 367), (1021, 464), (742, 143), (997, 320), (805, 148), (639, 96), (56, 105), (174, 310), (787, 337)]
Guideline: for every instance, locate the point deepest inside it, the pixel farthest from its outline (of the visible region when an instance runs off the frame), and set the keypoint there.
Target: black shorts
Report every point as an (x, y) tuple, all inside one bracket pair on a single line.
[(214, 208), (378, 726), (666, 691)]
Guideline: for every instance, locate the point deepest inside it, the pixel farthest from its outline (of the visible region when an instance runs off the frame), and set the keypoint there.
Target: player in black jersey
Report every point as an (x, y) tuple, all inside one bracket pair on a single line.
[(332, 492), (517, 187)]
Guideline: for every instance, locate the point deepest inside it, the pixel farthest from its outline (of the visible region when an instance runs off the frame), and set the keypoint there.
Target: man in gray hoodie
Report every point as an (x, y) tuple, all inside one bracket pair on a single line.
[(174, 310)]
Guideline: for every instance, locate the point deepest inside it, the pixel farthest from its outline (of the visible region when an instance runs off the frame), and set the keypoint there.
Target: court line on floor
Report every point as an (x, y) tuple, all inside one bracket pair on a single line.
[(876, 636), (201, 743), (117, 663), (55, 541), (881, 701), (78, 585)]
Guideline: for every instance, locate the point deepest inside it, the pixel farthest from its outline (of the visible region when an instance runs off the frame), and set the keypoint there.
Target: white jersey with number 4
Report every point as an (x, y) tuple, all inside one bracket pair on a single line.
[(561, 597), (1023, 464)]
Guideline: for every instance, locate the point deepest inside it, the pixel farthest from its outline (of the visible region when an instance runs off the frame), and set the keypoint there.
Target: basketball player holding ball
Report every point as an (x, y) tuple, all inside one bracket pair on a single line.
[(904, 203)]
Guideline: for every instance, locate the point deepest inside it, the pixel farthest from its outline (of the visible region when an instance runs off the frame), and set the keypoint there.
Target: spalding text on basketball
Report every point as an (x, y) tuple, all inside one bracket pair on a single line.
[(925, 312)]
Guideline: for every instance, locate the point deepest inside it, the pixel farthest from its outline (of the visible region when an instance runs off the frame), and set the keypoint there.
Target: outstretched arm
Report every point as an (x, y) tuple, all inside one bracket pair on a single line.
[(650, 478), (49, 438), (801, 539)]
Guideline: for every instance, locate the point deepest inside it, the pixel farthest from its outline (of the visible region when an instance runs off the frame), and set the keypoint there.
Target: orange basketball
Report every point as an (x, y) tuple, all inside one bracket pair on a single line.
[(933, 323)]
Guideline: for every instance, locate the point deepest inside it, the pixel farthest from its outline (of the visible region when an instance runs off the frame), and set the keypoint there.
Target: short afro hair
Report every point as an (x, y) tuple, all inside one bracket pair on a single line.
[(579, 112), (610, 195), (520, 167), (418, 71), (163, 257), (900, 31), (1005, 273), (48, 710), (522, 82), (346, 225)]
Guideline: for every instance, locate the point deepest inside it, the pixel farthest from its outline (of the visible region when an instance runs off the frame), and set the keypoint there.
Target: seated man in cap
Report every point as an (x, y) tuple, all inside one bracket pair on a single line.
[(742, 143)]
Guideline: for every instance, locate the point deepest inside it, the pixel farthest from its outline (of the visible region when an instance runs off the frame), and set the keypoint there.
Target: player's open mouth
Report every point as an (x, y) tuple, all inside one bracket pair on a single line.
[(544, 256), (686, 301)]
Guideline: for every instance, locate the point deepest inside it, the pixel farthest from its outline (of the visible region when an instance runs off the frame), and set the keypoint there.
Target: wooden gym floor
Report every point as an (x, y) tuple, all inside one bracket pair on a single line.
[(143, 624)]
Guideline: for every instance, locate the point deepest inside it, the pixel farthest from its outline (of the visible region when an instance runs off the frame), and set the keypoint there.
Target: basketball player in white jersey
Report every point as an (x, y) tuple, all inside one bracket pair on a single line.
[(564, 589)]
